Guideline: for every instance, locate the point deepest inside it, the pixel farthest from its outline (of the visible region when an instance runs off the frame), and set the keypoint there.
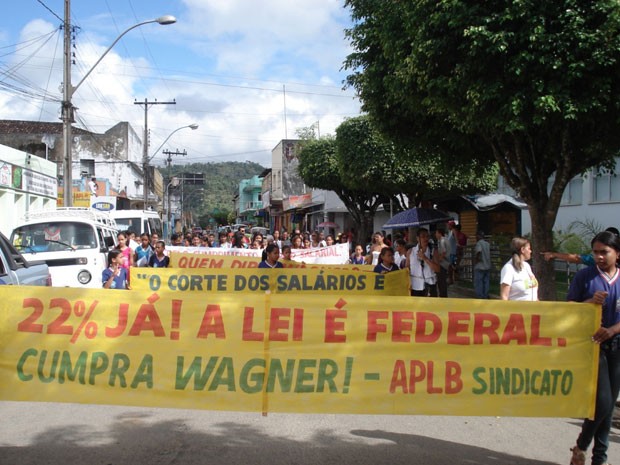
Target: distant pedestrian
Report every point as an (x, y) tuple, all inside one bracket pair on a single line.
[(400, 252), (176, 240), (444, 261), (286, 252), (93, 187), (452, 232), (482, 266)]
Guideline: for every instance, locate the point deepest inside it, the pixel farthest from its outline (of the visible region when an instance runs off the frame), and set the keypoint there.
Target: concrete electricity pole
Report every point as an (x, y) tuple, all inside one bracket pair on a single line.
[(145, 145)]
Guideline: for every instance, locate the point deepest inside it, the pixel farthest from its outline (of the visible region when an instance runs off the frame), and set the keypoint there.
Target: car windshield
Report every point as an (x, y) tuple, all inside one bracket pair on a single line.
[(54, 236)]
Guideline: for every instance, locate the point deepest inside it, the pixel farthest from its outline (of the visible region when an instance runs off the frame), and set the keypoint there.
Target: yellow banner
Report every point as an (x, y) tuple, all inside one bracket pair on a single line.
[(189, 260), (274, 353), (261, 280)]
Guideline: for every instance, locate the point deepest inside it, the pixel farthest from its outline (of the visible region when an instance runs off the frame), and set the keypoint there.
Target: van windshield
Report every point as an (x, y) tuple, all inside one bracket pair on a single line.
[(129, 224), (54, 236)]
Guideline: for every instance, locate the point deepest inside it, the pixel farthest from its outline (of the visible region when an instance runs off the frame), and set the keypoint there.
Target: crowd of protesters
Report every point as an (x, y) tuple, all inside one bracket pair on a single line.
[(433, 263), (429, 264)]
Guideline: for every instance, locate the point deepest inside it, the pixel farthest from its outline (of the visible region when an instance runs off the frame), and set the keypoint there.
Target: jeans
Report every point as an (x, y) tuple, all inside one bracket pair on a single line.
[(608, 386), (481, 283)]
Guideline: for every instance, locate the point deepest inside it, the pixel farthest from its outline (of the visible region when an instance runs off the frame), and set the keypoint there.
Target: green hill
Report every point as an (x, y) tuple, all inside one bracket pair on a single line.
[(221, 184)]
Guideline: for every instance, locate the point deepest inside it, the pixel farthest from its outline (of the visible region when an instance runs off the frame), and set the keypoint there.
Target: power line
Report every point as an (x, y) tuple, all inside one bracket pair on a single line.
[(49, 9)]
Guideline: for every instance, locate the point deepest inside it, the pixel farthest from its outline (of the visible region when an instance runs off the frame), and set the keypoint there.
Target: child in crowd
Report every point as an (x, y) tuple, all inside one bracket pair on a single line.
[(159, 259), (115, 276), (286, 252), (271, 254), (143, 251), (358, 256), (386, 261)]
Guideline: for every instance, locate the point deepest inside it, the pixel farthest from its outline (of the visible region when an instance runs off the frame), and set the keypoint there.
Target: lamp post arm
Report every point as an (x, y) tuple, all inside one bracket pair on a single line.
[(192, 126), (164, 142), (108, 50)]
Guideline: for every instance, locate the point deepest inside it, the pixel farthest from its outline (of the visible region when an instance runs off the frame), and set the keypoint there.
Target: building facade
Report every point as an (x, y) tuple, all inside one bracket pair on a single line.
[(27, 183), (114, 158)]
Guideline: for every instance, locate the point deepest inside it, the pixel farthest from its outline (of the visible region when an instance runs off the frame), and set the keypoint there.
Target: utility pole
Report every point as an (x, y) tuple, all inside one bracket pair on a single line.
[(169, 159), (170, 179), (67, 110), (145, 144)]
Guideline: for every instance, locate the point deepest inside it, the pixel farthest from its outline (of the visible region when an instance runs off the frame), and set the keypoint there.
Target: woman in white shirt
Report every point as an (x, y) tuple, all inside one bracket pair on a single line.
[(517, 281), (423, 264)]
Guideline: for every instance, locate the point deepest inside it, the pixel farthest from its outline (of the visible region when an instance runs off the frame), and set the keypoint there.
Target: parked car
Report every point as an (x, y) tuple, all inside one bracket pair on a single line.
[(73, 241), (15, 269)]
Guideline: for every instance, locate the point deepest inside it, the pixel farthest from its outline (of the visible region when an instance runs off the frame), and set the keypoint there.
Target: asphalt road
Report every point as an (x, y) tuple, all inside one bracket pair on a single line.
[(67, 434)]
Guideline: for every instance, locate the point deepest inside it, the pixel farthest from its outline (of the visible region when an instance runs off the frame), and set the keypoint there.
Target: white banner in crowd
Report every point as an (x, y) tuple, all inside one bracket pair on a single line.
[(333, 255)]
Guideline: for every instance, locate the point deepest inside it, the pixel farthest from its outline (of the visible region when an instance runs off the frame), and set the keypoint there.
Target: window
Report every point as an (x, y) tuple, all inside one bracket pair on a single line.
[(573, 193), (54, 237), (606, 187), (87, 167)]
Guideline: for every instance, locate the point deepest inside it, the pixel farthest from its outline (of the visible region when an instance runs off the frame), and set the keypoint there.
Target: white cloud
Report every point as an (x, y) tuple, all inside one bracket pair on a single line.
[(237, 98)]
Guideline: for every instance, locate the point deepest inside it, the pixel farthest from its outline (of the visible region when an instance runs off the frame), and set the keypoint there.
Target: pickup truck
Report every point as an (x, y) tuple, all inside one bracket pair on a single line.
[(15, 269)]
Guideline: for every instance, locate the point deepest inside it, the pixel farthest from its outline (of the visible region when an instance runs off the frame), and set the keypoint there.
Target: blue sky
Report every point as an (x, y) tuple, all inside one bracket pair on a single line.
[(231, 65)]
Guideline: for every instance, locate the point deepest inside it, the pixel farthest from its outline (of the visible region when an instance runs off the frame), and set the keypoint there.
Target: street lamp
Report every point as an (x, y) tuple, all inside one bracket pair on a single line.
[(67, 115), (148, 159)]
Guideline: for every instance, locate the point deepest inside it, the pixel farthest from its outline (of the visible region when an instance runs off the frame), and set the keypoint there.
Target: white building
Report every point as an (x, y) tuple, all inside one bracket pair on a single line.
[(27, 183), (593, 197)]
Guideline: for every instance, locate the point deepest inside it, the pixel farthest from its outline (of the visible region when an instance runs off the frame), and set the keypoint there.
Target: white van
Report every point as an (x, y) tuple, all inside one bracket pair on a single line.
[(73, 241), (138, 221)]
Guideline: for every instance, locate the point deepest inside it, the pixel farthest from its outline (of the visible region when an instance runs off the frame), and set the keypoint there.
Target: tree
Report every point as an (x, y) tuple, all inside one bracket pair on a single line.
[(531, 85), (367, 159), (319, 168), (366, 169)]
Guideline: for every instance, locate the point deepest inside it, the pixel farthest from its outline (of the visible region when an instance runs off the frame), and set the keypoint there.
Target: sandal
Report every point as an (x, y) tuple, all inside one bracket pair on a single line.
[(579, 456)]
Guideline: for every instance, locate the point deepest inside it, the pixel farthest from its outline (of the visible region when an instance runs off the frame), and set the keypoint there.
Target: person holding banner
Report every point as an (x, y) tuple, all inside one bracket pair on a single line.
[(600, 284), (115, 276), (159, 259), (517, 281), (271, 255)]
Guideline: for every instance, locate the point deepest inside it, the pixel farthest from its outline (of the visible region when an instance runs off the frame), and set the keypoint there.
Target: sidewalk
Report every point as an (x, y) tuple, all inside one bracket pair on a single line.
[(460, 291)]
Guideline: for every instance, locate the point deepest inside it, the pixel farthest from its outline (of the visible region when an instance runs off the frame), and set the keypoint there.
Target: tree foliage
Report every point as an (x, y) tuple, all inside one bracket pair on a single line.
[(368, 159), (366, 169), (319, 168), (531, 85)]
